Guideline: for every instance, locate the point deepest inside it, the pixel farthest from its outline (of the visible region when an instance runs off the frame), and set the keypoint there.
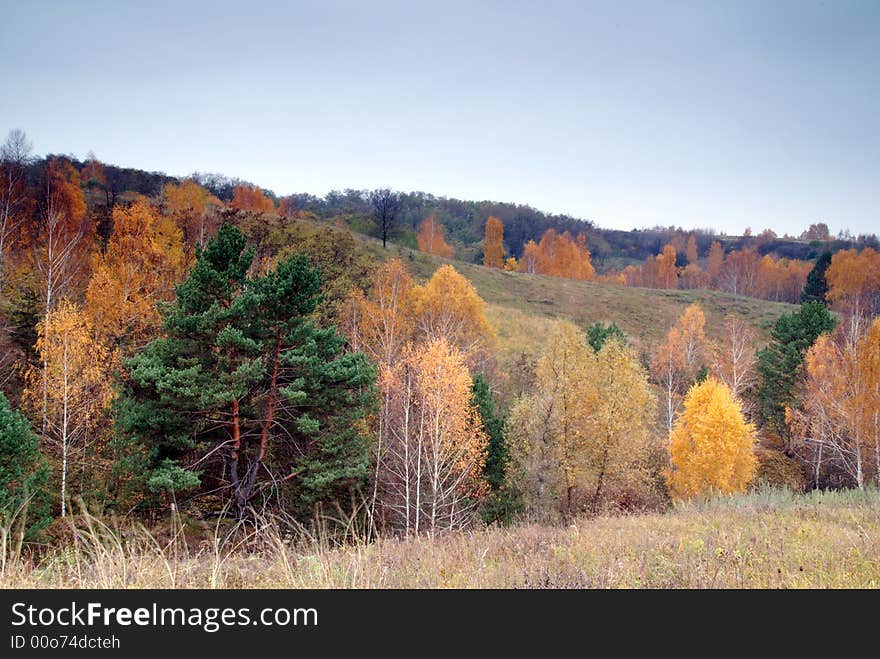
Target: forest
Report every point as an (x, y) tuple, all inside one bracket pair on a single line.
[(201, 349)]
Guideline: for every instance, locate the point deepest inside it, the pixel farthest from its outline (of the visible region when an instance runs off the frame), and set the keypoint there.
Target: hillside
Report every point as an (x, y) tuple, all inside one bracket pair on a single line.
[(527, 302)]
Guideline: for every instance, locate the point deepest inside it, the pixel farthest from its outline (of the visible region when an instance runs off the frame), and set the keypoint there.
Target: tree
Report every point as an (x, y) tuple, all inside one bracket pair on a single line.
[(430, 238), (667, 273), (61, 241), (854, 286), (818, 231), (251, 198), (501, 502), (430, 477), (76, 368), (816, 287), (691, 250), (23, 474), (188, 205), (583, 431), (14, 157), (734, 359), (143, 262), (386, 212), (714, 262), (493, 244), (780, 363), (244, 394), (598, 334), (837, 423), (449, 306), (560, 255), (529, 261), (677, 361), (739, 273), (711, 445)]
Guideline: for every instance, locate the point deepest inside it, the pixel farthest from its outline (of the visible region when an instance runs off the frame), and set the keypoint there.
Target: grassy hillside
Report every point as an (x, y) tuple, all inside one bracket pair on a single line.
[(772, 539), (521, 305)]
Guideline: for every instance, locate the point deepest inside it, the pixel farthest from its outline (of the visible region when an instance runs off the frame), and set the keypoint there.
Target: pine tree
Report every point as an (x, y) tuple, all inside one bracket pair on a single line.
[(245, 386), (816, 287), (598, 334), (502, 501), (23, 474), (780, 363)]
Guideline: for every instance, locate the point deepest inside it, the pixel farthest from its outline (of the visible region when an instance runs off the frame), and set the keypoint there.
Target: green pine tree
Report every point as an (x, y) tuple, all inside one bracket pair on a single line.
[(816, 287), (502, 501), (781, 362), (245, 395), (598, 334), (24, 504)]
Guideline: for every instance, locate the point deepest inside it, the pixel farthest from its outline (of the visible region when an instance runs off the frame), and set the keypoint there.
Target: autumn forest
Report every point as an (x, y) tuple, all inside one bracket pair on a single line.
[(388, 366)]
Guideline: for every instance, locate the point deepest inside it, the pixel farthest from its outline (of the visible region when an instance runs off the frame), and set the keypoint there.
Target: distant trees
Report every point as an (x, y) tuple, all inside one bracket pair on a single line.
[(818, 231), (142, 263), (711, 445), (493, 243), (187, 202), (431, 240), (558, 255), (385, 206), (14, 158), (816, 287), (251, 198)]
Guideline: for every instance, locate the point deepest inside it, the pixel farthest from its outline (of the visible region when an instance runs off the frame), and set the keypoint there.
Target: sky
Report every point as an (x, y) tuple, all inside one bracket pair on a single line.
[(719, 115)]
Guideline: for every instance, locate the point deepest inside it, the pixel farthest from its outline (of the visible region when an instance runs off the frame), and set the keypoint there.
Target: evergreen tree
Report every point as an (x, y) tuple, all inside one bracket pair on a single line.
[(780, 363), (598, 334), (816, 287), (247, 388), (502, 501), (23, 474)]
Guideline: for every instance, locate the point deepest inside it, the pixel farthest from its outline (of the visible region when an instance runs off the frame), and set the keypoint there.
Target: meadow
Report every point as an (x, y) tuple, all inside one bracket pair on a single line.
[(766, 539)]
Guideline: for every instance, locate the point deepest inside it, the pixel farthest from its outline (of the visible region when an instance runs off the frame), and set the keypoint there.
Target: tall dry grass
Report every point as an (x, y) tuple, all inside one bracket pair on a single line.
[(764, 540)]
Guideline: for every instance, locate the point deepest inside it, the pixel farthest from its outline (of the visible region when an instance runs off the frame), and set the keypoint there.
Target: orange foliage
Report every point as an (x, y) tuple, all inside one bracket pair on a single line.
[(431, 239), (560, 255), (493, 245), (247, 198)]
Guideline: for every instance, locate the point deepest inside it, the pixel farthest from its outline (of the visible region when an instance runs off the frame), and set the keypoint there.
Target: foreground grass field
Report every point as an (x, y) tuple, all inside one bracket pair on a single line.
[(764, 540)]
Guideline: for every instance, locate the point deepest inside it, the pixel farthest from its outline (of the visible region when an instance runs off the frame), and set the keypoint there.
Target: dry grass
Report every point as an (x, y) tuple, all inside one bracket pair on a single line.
[(767, 540)]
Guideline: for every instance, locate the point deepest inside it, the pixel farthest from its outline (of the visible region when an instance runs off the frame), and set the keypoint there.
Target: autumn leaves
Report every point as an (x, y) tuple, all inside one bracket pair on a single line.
[(430, 447)]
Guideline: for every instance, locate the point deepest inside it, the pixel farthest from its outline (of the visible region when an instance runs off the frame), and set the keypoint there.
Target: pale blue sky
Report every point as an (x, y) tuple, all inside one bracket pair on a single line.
[(713, 114)]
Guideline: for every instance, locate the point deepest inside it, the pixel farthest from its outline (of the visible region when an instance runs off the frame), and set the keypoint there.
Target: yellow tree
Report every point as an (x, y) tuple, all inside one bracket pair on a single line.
[(676, 361), (714, 262), (431, 239), (711, 445), (493, 244), (529, 261), (449, 307), (143, 261), (868, 373), (583, 432), (691, 249), (432, 464), (854, 286), (76, 367), (548, 426), (667, 273), (188, 204)]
